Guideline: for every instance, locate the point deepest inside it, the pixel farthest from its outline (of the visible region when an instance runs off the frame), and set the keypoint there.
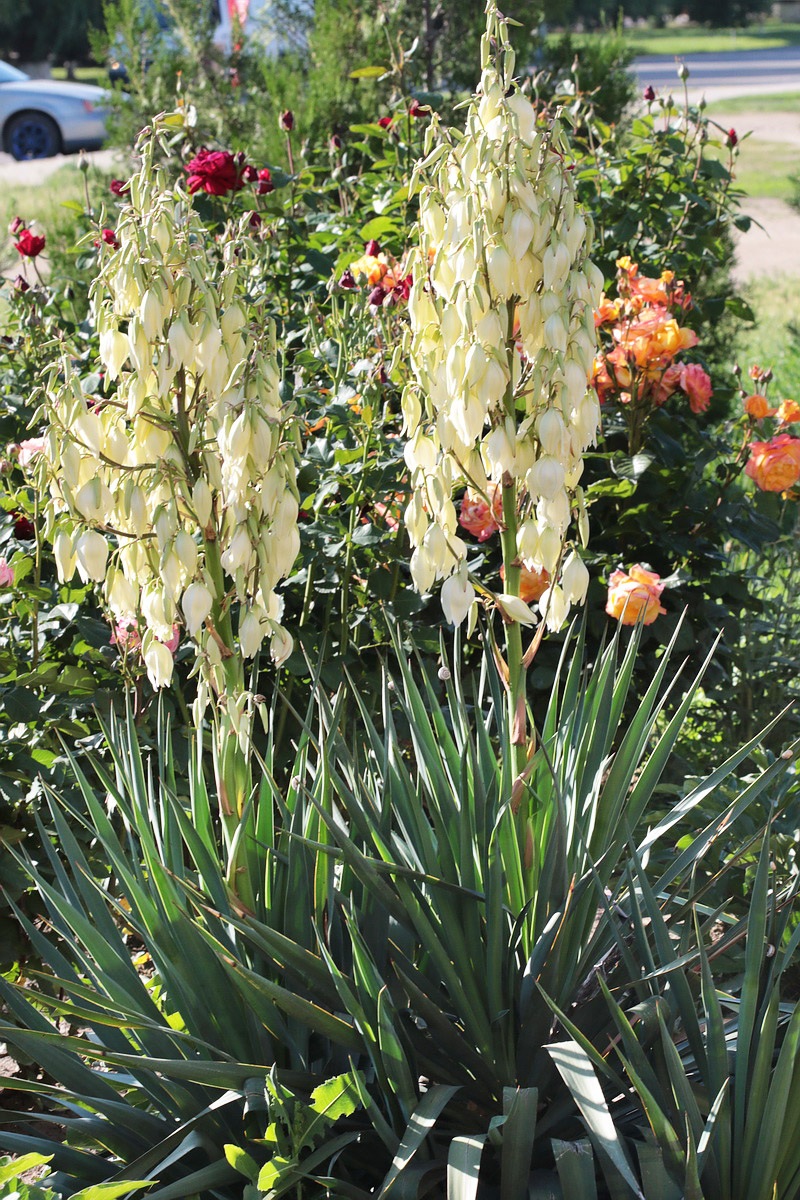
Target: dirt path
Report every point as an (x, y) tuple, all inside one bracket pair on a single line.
[(772, 244)]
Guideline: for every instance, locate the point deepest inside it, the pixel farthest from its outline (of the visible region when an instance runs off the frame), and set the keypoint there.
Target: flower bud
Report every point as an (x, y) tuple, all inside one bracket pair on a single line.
[(64, 556), (92, 554), (457, 597), (515, 609), (546, 477), (575, 579), (554, 607), (196, 603), (159, 663), (252, 630), (281, 645)]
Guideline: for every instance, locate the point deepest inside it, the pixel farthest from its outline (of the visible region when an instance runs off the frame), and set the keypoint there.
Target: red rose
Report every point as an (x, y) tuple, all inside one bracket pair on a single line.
[(649, 94), (732, 139), (24, 528), (415, 109), (249, 174), (335, 142), (386, 122), (286, 120), (110, 238), (29, 245), (376, 296), (215, 172), (118, 187), (265, 184), (254, 220), (372, 248), (348, 282)]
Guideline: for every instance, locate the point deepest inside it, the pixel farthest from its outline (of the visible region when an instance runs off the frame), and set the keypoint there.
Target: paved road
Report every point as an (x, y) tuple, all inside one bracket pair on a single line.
[(725, 75), (28, 174)]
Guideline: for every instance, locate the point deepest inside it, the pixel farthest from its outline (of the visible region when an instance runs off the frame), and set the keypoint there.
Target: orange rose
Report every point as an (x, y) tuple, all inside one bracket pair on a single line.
[(607, 310), (775, 466), (626, 266), (757, 407), (600, 379), (787, 412), (532, 584), (634, 594), (476, 516), (373, 266)]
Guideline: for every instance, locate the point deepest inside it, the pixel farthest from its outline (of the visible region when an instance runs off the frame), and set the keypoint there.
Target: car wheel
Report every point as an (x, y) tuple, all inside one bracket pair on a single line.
[(32, 135)]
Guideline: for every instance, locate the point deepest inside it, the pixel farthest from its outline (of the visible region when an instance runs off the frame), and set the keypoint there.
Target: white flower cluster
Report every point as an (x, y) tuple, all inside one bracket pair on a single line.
[(502, 341), (186, 474)]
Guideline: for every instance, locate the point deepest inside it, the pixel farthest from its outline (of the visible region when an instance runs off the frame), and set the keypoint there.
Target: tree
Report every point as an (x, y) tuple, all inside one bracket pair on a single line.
[(34, 30)]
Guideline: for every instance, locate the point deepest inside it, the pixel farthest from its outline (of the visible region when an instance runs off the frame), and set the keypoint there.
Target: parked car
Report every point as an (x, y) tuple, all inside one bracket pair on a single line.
[(42, 117)]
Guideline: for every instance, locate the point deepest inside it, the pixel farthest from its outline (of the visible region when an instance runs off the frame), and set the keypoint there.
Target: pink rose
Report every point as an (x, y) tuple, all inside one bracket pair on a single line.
[(28, 450), (6, 574)]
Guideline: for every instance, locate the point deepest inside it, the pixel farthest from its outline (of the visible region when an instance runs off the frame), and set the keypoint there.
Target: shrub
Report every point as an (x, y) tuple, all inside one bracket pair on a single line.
[(407, 924)]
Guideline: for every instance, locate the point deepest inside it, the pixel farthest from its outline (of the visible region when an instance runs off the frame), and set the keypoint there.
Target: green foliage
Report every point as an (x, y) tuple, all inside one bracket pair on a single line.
[(34, 30), (410, 923)]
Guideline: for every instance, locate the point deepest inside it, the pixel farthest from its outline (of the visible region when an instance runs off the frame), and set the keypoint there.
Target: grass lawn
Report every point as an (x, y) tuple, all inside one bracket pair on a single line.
[(771, 34), (775, 340), (96, 75), (763, 168), (45, 205), (777, 102)]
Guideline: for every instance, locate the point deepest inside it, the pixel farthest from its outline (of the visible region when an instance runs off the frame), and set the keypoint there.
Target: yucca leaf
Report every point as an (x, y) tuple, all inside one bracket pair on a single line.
[(464, 1166), (422, 1121), (576, 1168), (519, 1132), (575, 1068)]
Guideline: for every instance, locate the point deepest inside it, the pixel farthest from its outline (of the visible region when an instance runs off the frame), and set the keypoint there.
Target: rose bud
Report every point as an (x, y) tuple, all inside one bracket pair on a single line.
[(254, 220), (286, 120), (731, 139), (415, 109), (110, 238), (265, 184), (372, 248), (683, 72), (118, 187), (335, 143), (249, 174), (386, 122), (21, 284), (649, 94), (347, 282), (376, 296), (16, 225)]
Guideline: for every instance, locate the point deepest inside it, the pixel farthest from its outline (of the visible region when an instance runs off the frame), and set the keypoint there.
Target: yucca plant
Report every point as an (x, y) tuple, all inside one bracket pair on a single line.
[(402, 938)]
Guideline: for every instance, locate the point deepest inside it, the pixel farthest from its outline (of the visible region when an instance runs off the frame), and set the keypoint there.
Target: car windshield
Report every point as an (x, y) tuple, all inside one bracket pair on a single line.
[(9, 74)]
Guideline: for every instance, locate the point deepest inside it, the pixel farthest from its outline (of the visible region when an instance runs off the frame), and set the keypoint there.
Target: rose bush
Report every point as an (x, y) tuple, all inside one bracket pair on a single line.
[(326, 247)]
